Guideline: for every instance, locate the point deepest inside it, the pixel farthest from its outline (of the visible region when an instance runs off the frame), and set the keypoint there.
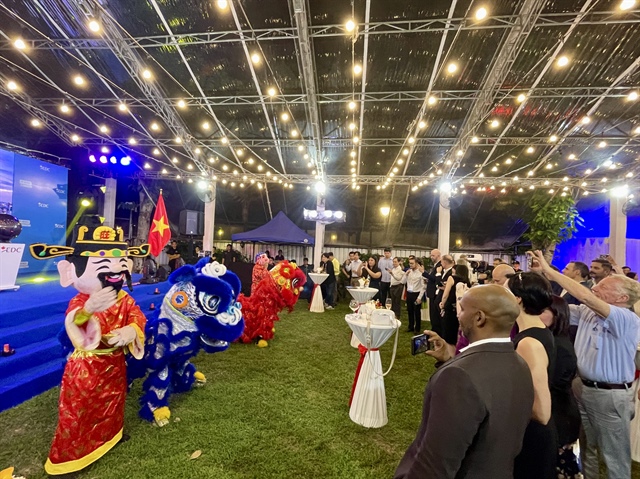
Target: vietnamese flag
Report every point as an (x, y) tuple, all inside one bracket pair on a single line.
[(160, 233)]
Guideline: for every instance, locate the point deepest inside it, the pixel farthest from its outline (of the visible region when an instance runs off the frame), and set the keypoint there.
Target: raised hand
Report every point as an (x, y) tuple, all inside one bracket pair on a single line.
[(101, 300)]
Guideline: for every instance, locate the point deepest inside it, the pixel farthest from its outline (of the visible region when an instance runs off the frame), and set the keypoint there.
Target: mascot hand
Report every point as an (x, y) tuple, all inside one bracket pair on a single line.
[(101, 300), (123, 336)]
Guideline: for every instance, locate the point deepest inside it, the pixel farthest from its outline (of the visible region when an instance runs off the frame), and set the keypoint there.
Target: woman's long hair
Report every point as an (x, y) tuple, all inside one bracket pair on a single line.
[(561, 314)]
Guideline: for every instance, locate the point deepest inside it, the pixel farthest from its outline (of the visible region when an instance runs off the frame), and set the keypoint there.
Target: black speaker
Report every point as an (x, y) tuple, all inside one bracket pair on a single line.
[(191, 222)]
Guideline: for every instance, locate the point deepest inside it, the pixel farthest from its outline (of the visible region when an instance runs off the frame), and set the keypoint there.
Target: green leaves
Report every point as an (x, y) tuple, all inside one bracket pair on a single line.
[(554, 220)]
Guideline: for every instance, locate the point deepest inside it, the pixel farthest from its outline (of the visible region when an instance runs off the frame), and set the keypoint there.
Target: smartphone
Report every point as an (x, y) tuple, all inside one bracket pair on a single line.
[(420, 344)]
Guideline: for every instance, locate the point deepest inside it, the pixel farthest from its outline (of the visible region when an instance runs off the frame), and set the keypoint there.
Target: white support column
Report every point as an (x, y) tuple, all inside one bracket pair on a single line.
[(209, 221), (617, 231), (109, 207), (444, 223), (320, 226)]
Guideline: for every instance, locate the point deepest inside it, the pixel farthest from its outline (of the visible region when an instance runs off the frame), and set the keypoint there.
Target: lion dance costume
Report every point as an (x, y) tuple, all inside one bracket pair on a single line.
[(278, 290), (104, 324), (198, 312)]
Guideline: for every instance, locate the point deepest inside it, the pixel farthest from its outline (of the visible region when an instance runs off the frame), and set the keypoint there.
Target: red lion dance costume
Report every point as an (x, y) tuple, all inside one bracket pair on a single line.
[(277, 290)]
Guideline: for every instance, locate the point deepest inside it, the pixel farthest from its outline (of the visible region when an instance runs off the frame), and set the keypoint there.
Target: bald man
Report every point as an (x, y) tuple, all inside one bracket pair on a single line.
[(478, 404), (500, 273)]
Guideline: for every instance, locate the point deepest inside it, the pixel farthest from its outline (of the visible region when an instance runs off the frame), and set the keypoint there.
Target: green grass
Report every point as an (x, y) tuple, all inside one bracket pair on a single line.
[(278, 412)]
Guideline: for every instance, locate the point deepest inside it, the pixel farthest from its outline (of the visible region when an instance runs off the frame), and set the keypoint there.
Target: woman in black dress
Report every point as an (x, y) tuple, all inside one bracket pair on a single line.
[(564, 408), (448, 303), (370, 270), (535, 344)]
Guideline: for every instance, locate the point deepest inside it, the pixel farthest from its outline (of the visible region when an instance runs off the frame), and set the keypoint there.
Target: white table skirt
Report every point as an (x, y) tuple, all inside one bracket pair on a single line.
[(362, 295), (369, 401), (317, 301)]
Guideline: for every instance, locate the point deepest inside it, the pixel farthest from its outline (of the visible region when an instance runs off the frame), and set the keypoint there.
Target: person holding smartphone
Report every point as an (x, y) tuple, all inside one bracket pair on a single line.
[(416, 289)]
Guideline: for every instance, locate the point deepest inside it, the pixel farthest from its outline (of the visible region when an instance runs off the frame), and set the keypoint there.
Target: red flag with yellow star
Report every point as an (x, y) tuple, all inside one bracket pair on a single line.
[(160, 233)]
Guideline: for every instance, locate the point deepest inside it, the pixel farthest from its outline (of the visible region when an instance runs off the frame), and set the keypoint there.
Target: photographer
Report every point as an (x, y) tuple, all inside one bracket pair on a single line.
[(476, 407)]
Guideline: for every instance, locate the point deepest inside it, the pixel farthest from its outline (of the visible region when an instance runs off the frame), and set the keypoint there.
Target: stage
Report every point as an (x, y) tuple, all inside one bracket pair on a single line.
[(30, 320)]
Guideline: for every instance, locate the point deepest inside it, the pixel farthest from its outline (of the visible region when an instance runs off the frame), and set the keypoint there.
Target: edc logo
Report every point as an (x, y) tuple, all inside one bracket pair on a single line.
[(10, 249)]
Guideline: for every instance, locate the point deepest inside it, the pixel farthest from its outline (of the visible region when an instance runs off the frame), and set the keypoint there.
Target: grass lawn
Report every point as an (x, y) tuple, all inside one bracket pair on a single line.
[(278, 412)]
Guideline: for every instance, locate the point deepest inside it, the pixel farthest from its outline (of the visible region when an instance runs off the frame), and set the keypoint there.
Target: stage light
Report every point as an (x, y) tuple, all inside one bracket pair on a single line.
[(146, 74), (181, 104), (585, 120), (321, 188), (104, 129), (78, 80), (147, 166), (255, 58), (19, 44), (405, 152), (412, 140), (357, 69), (356, 140), (36, 123), (189, 166), (113, 160), (250, 161), (352, 105), (563, 61), (202, 185), (421, 125), (300, 148), (452, 67), (271, 92), (432, 100), (627, 4), (11, 85), (260, 167), (602, 144), (350, 25), (103, 159), (284, 116), (222, 4), (65, 108), (155, 126), (475, 139), (553, 138), (178, 139), (294, 133), (104, 149), (85, 202), (133, 141), (352, 126), (206, 125), (620, 191), (125, 161), (481, 13), (94, 26), (123, 107), (75, 138), (92, 158), (632, 96), (521, 97), (495, 124), (530, 150)]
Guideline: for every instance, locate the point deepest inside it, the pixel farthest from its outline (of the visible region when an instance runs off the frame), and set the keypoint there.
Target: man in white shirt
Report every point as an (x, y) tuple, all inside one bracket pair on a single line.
[(416, 287), (352, 267), (397, 285), (385, 263)]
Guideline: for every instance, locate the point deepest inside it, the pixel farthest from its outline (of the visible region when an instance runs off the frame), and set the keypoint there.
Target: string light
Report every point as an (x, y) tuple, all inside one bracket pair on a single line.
[(521, 97), (481, 13), (65, 108), (352, 105), (350, 25), (452, 67), (531, 149), (133, 141), (632, 96), (206, 125), (222, 4), (284, 116), (352, 126), (495, 124), (123, 107), (357, 69), (585, 120), (475, 139), (271, 92), (36, 123), (19, 44), (553, 138), (352, 154), (155, 152), (104, 129), (255, 58), (182, 104), (11, 85), (94, 26), (627, 4), (602, 144), (155, 126), (432, 100), (563, 61), (146, 74), (78, 80), (421, 125), (412, 140)]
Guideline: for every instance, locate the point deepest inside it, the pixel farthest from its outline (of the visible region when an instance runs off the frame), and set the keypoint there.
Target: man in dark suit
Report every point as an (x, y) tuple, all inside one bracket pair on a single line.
[(478, 404), (433, 277), (578, 272)]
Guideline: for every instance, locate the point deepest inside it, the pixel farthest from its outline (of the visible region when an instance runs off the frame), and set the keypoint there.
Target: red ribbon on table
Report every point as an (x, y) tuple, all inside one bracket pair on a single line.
[(363, 353), (313, 293)]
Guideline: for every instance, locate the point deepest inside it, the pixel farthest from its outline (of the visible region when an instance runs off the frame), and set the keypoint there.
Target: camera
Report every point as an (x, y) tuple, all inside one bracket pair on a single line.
[(420, 344)]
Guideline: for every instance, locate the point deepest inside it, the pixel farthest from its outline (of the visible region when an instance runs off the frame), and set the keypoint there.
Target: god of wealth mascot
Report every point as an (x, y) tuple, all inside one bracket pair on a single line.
[(260, 270), (198, 312), (103, 324), (278, 290)]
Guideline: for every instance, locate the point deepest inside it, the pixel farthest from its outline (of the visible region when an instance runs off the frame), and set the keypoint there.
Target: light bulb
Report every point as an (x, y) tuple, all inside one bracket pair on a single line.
[(181, 104), (352, 105), (481, 13), (357, 69), (350, 25), (452, 67), (146, 74), (94, 26), (521, 97), (19, 44), (78, 80), (122, 107), (432, 100), (421, 125), (36, 123), (11, 85), (271, 92), (563, 61), (222, 4), (255, 58), (284, 116)]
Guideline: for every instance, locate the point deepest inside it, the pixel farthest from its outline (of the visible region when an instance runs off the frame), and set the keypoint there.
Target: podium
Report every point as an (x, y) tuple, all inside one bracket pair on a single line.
[(368, 406), (317, 301), (10, 258)]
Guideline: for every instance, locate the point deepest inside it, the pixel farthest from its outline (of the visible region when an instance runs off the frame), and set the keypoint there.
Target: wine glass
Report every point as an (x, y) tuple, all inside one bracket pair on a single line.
[(354, 305), (387, 303)]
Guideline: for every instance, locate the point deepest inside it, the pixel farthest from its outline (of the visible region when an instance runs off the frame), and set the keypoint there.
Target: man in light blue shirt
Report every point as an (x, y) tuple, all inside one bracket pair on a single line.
[(385, 264), (606, 344)]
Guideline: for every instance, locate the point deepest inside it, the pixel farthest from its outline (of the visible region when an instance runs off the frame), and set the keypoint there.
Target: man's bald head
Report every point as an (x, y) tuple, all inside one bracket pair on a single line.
[(487, 311), (435, 255), (500, 273)]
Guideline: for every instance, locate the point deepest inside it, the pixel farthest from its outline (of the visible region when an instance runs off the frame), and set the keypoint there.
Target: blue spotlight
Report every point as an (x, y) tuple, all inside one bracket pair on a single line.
[(125, 161), (113, 160), (103, 159), (92, 158)]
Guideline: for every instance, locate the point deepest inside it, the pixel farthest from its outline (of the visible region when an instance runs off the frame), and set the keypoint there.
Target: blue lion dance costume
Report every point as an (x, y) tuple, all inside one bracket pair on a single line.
[(200, 311)]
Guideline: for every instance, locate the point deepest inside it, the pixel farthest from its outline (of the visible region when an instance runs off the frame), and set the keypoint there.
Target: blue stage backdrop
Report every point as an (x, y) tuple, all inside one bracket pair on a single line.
[(6, 181), (40, 203)]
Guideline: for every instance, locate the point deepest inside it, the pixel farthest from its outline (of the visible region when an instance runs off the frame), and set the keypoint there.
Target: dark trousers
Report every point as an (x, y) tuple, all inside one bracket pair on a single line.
[(415, 321), (434, 316), (384, 292), (396, 298)]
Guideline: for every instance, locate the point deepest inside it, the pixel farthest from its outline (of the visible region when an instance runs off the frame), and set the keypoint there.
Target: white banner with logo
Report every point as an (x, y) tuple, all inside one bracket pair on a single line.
[(10, 257)]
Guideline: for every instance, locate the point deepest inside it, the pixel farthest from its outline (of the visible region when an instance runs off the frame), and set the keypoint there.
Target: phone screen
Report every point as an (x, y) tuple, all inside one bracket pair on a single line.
[(420, 344)]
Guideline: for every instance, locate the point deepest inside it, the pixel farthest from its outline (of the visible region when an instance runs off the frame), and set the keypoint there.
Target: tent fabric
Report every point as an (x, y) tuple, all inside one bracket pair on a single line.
[(280, 230)]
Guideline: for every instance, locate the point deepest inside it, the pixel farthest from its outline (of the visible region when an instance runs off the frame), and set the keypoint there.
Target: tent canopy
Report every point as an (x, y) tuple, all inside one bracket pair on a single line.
[(280, 230)]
